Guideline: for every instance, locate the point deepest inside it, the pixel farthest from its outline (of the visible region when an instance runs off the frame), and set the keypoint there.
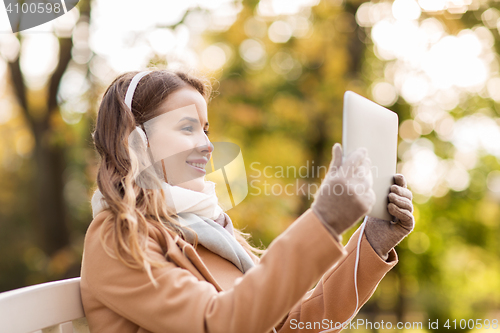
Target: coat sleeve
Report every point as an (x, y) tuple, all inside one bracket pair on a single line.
[(333, 300), (292, 264)]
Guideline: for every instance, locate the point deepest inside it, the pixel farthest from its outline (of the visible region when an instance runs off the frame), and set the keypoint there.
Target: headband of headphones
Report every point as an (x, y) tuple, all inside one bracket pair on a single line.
[(130, 95), (131, 88)]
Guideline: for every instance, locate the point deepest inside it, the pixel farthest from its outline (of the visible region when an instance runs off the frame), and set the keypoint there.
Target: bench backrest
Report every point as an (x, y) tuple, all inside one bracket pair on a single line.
[(52, 307)]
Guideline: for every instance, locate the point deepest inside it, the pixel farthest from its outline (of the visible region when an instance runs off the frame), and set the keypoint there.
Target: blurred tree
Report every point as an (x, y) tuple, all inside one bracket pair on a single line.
[(49, 154)]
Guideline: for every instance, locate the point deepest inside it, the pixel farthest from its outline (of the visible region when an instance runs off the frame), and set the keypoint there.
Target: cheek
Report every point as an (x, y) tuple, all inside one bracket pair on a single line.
[(170, 144)]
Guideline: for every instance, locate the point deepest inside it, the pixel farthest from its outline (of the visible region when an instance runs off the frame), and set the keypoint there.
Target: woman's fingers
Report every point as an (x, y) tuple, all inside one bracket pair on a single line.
[(400, 205), (401, 191), (336, 157), (356, 169), (404, 216), (400, 180), (354, 163), (401, 201), (355, 158)]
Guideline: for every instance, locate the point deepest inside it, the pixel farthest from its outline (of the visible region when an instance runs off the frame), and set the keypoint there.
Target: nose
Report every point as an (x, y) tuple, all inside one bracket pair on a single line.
[(207, 146)]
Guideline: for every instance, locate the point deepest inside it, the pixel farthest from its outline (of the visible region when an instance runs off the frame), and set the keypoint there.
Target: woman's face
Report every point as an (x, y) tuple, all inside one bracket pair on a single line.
[(178, 137)]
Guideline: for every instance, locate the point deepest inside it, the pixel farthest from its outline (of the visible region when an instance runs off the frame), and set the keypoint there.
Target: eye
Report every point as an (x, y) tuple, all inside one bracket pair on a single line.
[(188, 128), (207, 132)]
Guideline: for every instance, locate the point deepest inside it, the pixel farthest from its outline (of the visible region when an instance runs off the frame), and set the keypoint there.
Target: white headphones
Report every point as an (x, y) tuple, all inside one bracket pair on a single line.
[(128, 100)]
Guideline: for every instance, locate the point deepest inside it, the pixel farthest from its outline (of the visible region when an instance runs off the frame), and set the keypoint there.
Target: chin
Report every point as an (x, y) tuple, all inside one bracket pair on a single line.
[(194, 185)]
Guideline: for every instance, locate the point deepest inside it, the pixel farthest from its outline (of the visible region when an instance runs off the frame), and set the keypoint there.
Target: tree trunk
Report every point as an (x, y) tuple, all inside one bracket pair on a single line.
[(50, 165), (49, 157)]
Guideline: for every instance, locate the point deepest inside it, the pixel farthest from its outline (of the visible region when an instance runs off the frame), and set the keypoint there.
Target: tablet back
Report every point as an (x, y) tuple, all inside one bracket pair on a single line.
[(367, 124)]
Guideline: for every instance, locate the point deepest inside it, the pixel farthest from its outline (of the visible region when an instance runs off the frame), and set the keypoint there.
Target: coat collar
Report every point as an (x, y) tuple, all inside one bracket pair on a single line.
[(185, 256), (181, 253)]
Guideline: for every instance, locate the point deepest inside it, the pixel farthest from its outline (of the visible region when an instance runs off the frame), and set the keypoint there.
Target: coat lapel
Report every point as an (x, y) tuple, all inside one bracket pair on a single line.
[(184, 255), (189, 260)]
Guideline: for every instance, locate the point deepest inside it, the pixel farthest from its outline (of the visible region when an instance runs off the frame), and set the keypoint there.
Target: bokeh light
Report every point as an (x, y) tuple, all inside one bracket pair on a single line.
[(253, 52), (433, 71), (283, 7)]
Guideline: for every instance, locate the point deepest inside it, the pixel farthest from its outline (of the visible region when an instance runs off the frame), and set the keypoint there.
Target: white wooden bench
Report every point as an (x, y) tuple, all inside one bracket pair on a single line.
[(52, 307)]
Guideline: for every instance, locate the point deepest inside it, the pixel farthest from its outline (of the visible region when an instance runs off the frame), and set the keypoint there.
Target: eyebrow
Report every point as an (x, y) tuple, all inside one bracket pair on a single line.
[(193, 120)]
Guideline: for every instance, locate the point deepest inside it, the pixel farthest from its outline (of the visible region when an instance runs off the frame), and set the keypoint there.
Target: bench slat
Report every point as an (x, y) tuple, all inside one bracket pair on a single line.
[(45, 305)]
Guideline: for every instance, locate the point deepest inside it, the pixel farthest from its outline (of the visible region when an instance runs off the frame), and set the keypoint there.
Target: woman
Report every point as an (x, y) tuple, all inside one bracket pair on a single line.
[(162, 256)]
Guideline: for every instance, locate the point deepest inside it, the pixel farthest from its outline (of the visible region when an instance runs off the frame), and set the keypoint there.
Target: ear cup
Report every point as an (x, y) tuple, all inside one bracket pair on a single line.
[(143, 135)]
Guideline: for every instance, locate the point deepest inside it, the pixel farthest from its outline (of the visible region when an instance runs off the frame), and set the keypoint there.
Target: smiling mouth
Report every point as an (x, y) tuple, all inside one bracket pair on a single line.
[(198, 166)]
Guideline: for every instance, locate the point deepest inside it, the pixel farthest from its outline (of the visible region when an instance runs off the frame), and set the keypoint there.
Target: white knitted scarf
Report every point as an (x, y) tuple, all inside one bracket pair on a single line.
[(202, 213), (204, 204)]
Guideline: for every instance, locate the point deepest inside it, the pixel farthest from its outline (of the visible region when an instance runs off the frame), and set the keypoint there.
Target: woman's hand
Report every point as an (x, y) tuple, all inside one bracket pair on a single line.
[(346, 193), (384, 235)]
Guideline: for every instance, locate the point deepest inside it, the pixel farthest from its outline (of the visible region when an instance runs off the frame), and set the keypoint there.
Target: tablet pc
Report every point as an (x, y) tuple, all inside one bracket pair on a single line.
[(367, 124)]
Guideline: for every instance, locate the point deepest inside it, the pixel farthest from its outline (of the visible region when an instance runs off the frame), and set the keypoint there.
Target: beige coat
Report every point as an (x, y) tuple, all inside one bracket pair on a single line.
[(202, 292)]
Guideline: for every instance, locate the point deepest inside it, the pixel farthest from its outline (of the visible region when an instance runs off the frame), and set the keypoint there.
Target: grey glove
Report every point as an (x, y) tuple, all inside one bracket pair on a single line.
[(384, 235), (346, 192)]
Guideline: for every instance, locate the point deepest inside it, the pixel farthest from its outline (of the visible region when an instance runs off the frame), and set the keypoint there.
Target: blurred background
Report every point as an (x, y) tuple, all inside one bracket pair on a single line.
[(280, 68)]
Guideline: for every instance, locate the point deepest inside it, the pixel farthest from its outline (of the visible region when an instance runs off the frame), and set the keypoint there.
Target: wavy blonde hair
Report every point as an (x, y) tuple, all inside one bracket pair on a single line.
[(134, 209)]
